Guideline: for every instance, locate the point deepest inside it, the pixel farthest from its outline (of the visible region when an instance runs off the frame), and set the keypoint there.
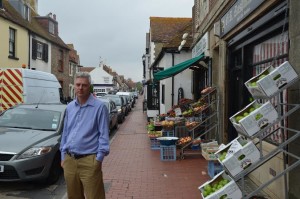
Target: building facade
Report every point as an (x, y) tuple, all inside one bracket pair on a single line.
[(244, 38)]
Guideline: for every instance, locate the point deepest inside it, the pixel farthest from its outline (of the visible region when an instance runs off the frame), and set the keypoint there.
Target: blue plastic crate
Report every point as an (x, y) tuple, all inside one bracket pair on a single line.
[(168, 133), (167, 153), (154, 143), (214, 168)]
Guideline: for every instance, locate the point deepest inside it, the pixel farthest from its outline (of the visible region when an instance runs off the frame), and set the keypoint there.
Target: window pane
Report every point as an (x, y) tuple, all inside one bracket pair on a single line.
[(270, 50)]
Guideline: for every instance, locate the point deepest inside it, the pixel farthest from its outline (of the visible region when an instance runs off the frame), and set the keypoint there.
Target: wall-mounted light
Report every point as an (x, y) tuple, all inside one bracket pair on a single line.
[(182, 42), (185, 35), (179, 48)]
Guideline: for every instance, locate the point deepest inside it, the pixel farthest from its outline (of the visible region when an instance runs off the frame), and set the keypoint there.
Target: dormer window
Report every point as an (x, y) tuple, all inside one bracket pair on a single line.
[(51, 27), (26, 12)]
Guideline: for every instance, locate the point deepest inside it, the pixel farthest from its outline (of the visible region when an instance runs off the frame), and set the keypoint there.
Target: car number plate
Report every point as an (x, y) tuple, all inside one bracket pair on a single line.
[(1, 168)]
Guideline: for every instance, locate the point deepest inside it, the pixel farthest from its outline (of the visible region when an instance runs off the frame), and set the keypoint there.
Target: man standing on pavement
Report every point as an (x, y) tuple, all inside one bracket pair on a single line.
[(85, 142)]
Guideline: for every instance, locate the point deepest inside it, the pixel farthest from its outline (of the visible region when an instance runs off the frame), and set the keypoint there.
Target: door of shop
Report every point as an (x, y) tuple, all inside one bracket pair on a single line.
[(238, 94), (152, 99)]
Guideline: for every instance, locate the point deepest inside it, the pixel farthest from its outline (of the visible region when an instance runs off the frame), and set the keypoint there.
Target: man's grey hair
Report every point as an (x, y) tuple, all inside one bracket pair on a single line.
[(84, 75)]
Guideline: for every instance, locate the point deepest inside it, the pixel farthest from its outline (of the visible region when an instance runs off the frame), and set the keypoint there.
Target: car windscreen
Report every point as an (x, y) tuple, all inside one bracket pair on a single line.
[(116, 100), (36, 119)]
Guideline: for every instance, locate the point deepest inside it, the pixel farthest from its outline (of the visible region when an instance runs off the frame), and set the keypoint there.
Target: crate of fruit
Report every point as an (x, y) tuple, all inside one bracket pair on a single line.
[(238, 155), (167, 125), (271, 80), (254, 117), (221, 186)]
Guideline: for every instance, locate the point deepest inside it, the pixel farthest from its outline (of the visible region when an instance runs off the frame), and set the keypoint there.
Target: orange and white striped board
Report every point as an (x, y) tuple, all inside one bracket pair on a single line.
[(11, 88)]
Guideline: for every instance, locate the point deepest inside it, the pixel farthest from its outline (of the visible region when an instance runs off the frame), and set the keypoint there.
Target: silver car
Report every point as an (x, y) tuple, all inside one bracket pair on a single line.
[(29, 143), (113, 113)]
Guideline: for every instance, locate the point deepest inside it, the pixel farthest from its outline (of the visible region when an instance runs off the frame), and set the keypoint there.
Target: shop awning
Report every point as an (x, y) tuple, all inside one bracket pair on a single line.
[(174, 70)]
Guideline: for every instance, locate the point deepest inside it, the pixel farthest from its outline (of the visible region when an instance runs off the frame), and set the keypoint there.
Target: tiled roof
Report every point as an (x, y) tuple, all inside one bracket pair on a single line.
[(33, 25), (176, 40), (86, 69), (164, 29)]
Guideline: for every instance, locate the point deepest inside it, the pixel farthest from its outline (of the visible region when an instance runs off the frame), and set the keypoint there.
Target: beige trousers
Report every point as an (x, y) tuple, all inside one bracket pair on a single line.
[(84, 178)]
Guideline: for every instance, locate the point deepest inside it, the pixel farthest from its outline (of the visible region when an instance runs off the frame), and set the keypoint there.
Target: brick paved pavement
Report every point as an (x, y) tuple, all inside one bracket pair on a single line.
[(134, 171)]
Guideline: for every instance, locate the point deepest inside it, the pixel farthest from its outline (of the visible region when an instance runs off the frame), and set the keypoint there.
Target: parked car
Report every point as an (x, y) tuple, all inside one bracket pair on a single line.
[(128, 103), (121, 105), (136, 94), (29, 142), (113, 113), (130, 96)]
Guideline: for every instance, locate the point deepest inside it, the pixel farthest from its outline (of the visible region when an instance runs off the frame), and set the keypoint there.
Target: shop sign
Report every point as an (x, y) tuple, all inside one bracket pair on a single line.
[(240, 10), (201, 46)]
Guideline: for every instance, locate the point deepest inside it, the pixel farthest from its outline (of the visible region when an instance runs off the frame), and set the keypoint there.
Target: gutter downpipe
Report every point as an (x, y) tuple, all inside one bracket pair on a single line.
[(29, 45), (172, 94)]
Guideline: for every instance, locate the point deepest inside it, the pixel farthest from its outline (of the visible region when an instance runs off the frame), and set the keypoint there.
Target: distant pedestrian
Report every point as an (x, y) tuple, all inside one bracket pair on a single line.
[(85, 142)]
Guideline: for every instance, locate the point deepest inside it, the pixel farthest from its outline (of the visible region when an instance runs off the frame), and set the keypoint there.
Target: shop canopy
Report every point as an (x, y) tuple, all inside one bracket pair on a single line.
[(174, 70)]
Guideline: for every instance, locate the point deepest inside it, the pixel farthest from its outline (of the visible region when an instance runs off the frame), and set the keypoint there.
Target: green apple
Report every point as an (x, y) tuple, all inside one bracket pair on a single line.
[(238, 118), (262, 76), (207, 188), (253, 84)]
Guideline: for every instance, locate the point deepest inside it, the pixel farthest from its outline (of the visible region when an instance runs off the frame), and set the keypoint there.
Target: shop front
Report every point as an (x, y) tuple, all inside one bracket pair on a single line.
[(257, 45)]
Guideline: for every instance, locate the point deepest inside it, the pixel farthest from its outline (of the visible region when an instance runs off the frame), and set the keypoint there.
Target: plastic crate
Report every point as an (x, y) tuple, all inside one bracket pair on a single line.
[(168, 153), (154, 143), (214, 168), (168, 133)]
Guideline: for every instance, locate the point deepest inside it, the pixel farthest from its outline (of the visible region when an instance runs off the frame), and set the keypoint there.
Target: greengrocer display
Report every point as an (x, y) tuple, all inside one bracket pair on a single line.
[(205, 123), (253, 123), (189, 120)]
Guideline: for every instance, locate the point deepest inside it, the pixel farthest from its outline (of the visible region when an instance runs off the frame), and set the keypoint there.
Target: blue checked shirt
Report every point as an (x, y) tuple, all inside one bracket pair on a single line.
[(86, 129)]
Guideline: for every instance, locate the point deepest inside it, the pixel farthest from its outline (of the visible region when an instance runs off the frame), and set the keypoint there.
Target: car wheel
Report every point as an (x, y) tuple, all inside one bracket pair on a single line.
[(55, 170)]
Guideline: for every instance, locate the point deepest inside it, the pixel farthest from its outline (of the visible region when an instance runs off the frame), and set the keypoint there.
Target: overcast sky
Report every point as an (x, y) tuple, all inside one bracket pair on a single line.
[(111, 31)]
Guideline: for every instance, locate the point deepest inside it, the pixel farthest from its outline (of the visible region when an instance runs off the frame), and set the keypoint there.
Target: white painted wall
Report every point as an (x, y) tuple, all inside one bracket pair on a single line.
[(183, 79), (101, 80)]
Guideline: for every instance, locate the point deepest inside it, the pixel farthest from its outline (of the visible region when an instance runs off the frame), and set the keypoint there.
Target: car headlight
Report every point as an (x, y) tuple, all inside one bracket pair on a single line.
[(35, 151), (119, 110)]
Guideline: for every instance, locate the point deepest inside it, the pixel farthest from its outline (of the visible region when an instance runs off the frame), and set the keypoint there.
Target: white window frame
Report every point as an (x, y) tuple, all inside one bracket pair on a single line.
[(51, 27), (71, 71), (12, 42), (39, 50)]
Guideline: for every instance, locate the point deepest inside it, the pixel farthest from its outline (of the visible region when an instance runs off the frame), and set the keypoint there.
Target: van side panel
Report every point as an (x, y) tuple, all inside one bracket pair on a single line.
[(27, 86), (11, 88), (40, 87)]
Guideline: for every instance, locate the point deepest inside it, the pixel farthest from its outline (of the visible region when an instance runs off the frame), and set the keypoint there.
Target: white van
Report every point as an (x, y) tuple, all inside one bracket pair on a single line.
[(18, 85)]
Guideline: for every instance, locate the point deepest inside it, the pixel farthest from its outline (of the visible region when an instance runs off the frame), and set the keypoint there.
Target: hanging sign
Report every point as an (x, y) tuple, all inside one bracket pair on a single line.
[(239, 11), (180, 94), (201, 46), (178, 112)]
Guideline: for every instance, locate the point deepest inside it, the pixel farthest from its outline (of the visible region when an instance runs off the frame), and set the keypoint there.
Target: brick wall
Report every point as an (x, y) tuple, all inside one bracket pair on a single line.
[(62, 76)]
